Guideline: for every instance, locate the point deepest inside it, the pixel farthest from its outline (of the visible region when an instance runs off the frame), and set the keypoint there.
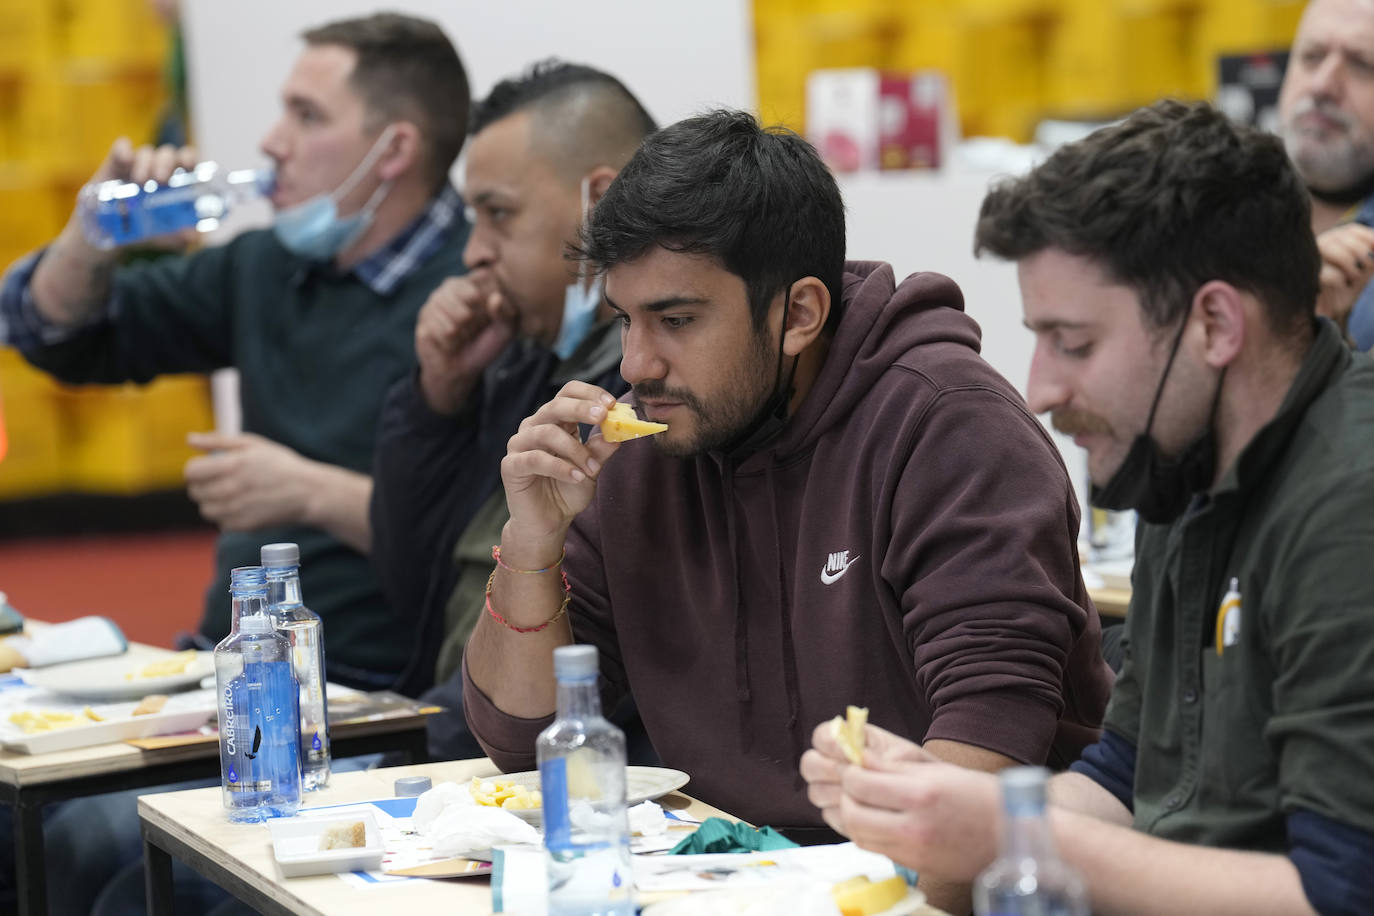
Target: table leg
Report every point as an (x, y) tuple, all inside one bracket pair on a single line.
[(31, 882), (157, 880)]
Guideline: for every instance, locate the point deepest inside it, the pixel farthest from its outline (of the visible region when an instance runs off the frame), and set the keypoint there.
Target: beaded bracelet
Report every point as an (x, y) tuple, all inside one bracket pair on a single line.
[(496, 555), (562, 608)]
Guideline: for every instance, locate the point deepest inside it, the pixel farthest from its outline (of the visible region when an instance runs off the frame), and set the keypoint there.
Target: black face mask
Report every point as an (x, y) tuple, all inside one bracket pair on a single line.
[(1155, 486), (772, 415)]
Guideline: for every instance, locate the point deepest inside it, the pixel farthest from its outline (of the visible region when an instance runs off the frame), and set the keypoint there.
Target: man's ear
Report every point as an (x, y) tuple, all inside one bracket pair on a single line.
[(404, 151), (598, 180), (1225, 314), (806, 315)]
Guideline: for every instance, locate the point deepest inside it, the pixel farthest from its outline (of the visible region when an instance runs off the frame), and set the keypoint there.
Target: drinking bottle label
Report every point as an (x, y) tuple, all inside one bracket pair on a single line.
[(553, 783)]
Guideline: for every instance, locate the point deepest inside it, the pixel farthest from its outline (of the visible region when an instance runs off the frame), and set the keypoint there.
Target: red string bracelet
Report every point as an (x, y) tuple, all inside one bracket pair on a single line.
[(496, 555), (562, 608)]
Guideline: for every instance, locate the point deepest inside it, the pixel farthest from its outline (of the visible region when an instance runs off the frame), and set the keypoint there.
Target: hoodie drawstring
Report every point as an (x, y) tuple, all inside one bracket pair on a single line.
[(741, 629), (789, 652)]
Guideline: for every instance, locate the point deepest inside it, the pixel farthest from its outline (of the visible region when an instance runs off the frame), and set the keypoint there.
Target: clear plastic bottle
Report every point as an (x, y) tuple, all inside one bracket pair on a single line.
[(1028, 878), (118, 212), (259, 719), (582, 776), (303, 628)]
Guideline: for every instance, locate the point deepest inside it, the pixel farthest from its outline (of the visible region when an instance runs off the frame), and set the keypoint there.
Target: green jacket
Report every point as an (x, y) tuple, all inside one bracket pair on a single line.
[(1282, 718)]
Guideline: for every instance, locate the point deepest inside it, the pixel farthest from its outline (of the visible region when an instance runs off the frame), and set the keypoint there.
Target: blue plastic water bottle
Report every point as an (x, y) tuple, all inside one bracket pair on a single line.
[(115, 212), (582, 777), (258, 705), (303, 629)]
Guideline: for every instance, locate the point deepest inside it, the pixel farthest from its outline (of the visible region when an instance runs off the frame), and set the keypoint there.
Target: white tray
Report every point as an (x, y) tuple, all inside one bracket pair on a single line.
[(118, 725), (296, 846)]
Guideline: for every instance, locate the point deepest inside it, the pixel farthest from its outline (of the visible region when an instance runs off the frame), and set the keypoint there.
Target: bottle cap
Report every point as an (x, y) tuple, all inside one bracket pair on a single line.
[(246, 577), (279, 555), (574, 662), (256, 623), (412, 785), (1023, 789)]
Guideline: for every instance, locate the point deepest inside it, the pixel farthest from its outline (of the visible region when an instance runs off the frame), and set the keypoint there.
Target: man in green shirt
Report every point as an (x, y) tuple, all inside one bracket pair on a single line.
[(317, 314), (1169, 274)]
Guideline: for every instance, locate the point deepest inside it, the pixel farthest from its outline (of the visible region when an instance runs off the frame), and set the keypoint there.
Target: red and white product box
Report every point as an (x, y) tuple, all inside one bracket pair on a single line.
[(913, 120), (842, 117), (863, 119)]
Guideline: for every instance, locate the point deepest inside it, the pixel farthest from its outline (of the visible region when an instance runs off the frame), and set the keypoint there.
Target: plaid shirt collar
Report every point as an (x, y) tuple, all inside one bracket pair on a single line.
[(1364, 212), (385, 269)]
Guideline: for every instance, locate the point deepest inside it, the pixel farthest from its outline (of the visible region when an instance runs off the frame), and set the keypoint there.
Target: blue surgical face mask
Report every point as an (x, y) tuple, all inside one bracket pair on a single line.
[(580, 300), (313, 228)]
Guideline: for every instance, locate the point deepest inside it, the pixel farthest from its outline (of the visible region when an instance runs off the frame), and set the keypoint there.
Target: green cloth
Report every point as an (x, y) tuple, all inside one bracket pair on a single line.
[(719, 835), (1282, 720), (316, 351)]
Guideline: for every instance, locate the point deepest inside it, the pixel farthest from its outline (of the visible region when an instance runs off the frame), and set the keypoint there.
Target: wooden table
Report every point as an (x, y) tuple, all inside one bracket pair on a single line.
[(191, 827), (1111, 602), (30, 781)]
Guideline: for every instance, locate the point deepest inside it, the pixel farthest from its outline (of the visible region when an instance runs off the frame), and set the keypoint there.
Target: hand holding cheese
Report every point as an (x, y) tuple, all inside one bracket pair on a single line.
[(549, 476), (622, 424), (549, 473)]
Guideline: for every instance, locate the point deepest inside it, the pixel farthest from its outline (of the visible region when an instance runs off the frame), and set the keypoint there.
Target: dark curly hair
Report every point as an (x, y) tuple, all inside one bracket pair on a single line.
[(758, 200), (1164, 201)]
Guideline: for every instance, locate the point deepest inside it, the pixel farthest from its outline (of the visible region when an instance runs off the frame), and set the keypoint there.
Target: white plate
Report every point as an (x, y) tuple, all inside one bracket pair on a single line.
[(108, 678), (641, 784), (296, 846), (118, 725)]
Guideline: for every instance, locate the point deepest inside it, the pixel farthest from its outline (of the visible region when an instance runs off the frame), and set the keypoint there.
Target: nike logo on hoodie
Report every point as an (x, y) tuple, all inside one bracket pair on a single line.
[(836, 565)]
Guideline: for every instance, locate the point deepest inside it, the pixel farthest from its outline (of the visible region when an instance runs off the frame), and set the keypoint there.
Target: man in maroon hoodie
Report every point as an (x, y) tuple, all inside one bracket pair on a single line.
[(849, 505)]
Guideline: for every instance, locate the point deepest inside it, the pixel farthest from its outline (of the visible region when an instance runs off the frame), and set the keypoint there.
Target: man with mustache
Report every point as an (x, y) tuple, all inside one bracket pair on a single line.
[(1168, 271), (492, 346), (1326, 112), (849, 505)]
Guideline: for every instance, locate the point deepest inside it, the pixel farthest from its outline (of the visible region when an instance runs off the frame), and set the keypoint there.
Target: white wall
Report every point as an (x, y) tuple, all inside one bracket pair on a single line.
[(925, 221), (677, 57)]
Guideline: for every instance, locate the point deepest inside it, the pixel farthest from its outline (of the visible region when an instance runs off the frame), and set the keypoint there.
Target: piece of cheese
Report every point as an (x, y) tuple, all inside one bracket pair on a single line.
[(505, 793), (849, 732), (172, 664), (621, 424), (344, 836), (150, 705), (861, 897), (44, 720)]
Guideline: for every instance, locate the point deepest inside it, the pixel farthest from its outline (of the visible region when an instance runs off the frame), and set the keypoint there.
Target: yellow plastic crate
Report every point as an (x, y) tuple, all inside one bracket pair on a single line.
[(113, 32), (28, 218), (43, 131), (27, 35), (33, 464), (102, 110), (1158, 60), (129, 440), (1011, 63)]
